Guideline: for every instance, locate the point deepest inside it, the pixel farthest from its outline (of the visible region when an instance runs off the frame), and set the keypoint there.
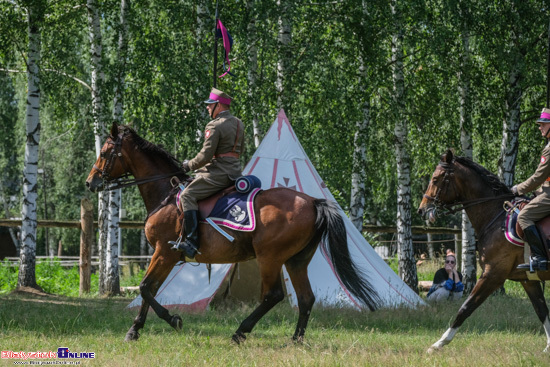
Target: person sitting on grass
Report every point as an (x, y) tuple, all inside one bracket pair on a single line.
[(447, 283)]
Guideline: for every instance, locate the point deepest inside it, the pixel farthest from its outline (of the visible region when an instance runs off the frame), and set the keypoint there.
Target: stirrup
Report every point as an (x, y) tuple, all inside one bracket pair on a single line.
[(175, 244), (534, 264), (189, 249)]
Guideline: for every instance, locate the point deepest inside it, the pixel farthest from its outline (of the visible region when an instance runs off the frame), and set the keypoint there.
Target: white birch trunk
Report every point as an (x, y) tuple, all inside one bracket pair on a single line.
[(98, 111), (118, 105), (510, 129), (359, 171), (468, 240), (407, 263), (283, 43), (27, 275), (253, 69), (112, 279)]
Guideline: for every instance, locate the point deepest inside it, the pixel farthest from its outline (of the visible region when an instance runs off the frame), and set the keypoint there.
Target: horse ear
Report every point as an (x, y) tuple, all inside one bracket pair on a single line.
[(448, 156), (114, 129)]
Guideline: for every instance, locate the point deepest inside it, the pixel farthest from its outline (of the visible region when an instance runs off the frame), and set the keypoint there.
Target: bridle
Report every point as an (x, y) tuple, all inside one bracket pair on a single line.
[(447, 208), (115, 153), (112, 183), (457, 206)]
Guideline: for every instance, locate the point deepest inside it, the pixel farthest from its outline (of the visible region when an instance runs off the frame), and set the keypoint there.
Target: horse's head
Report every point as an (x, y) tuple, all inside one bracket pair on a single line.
[(442, 188), (110, 164)]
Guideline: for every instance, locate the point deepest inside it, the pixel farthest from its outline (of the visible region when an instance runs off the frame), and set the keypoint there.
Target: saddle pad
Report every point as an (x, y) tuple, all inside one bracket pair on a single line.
[(510, 229), (236, 211)]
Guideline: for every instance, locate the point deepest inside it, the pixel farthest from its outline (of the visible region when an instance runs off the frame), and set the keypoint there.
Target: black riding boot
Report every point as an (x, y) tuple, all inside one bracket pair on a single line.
[(538, 259), (190, 245)]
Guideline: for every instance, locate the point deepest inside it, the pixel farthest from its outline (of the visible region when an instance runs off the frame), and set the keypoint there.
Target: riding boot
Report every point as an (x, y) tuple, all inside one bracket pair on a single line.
[(538, 260), (190, 245)]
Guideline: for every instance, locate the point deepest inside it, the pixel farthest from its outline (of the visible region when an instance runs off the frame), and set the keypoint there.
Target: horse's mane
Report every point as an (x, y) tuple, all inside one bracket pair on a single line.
[(147, 146), (498, 187)]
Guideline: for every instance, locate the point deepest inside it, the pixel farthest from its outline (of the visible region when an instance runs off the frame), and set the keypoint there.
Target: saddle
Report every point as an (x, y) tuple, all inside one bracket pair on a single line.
[(543, 225), (511, 224), (243, 185)]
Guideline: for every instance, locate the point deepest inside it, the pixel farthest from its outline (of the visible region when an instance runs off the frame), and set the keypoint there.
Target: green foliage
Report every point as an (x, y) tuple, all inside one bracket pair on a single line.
[(8, 277), (338, 63)]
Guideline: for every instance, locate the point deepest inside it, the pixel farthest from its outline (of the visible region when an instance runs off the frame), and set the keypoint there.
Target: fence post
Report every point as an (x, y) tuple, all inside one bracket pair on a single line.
[(86, 236)]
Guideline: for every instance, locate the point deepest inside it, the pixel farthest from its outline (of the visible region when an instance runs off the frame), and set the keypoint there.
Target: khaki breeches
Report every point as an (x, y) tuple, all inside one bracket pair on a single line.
[(200, 189), (536, 210)]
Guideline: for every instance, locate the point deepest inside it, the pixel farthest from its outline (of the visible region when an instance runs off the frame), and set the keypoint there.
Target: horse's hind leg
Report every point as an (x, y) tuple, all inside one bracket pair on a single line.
[(536, 295), (139, 321), (306, 298), (486, 285), (272, 293), (159, 268)]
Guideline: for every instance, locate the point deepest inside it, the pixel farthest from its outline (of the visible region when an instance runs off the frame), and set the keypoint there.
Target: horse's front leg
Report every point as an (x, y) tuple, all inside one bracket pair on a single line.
[(486, 285), (536, 295), (162, 262)]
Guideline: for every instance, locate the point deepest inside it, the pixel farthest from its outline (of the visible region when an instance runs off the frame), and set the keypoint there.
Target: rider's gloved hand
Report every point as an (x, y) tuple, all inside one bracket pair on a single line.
[(514, 189), (185, 166)]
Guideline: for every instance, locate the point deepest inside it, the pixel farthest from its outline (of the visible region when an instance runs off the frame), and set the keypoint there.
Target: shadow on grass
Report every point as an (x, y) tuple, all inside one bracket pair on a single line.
[(24, 312)]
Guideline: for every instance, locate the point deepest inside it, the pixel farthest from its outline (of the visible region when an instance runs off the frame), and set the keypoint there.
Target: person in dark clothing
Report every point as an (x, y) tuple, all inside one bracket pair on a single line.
[(447, 283)]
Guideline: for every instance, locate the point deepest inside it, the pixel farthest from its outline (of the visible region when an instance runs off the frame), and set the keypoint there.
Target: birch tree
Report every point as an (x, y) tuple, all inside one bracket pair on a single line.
[(27, 275), (100, 132), (112, 278), (284, 39), (468, 239), (252, 74), (407, 264), (359, 170)]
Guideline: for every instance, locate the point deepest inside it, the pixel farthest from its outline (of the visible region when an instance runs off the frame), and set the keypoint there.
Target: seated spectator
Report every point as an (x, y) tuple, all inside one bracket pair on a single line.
[(447, 284)]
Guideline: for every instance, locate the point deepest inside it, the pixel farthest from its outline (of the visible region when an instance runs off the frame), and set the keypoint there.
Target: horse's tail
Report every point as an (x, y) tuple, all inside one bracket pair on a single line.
[(335, 245)]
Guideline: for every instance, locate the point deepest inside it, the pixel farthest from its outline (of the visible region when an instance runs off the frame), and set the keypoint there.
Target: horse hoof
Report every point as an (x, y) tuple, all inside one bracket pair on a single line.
[(432, 349), (176, 322), (298, 339), (238, 338), (131, 336)]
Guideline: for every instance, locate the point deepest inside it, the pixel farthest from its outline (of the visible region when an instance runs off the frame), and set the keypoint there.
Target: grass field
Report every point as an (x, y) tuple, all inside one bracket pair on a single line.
[(503, 332)]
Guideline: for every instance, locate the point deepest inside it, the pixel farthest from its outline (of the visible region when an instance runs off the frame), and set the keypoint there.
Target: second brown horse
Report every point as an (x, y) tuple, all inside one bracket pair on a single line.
[(290, 226), (460, 182)]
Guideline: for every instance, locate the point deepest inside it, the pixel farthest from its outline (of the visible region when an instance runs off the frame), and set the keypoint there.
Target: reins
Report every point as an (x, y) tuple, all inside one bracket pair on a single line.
[(124, 181), (121, 183), (450, 208)]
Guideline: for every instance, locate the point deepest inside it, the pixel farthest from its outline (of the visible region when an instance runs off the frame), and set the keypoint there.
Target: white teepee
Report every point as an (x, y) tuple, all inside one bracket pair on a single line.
[(280, 161)]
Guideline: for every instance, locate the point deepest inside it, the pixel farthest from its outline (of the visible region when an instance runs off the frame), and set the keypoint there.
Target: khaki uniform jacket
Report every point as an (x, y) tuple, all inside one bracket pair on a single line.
[(540, 175), (224, 134)]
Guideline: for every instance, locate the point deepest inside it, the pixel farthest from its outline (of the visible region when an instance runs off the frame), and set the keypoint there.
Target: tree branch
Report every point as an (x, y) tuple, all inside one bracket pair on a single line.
[(53, 71)]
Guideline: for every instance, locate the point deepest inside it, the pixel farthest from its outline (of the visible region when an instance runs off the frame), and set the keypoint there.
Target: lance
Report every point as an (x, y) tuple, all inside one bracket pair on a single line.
[(215, 47)]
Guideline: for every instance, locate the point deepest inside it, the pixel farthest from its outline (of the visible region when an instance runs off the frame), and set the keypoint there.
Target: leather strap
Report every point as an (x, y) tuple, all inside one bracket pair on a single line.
[(236, 137), (228, 154)]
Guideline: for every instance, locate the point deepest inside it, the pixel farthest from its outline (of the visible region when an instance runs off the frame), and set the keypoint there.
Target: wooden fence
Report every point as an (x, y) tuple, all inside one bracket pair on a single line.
[(86, 224)]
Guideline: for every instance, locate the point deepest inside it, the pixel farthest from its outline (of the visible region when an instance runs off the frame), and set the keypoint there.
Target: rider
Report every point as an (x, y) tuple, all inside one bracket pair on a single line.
[(217, 165), (539, 207)]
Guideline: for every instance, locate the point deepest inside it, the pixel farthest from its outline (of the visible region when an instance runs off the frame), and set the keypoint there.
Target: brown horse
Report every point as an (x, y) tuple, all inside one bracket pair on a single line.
[(458, 181), (290, 226)]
